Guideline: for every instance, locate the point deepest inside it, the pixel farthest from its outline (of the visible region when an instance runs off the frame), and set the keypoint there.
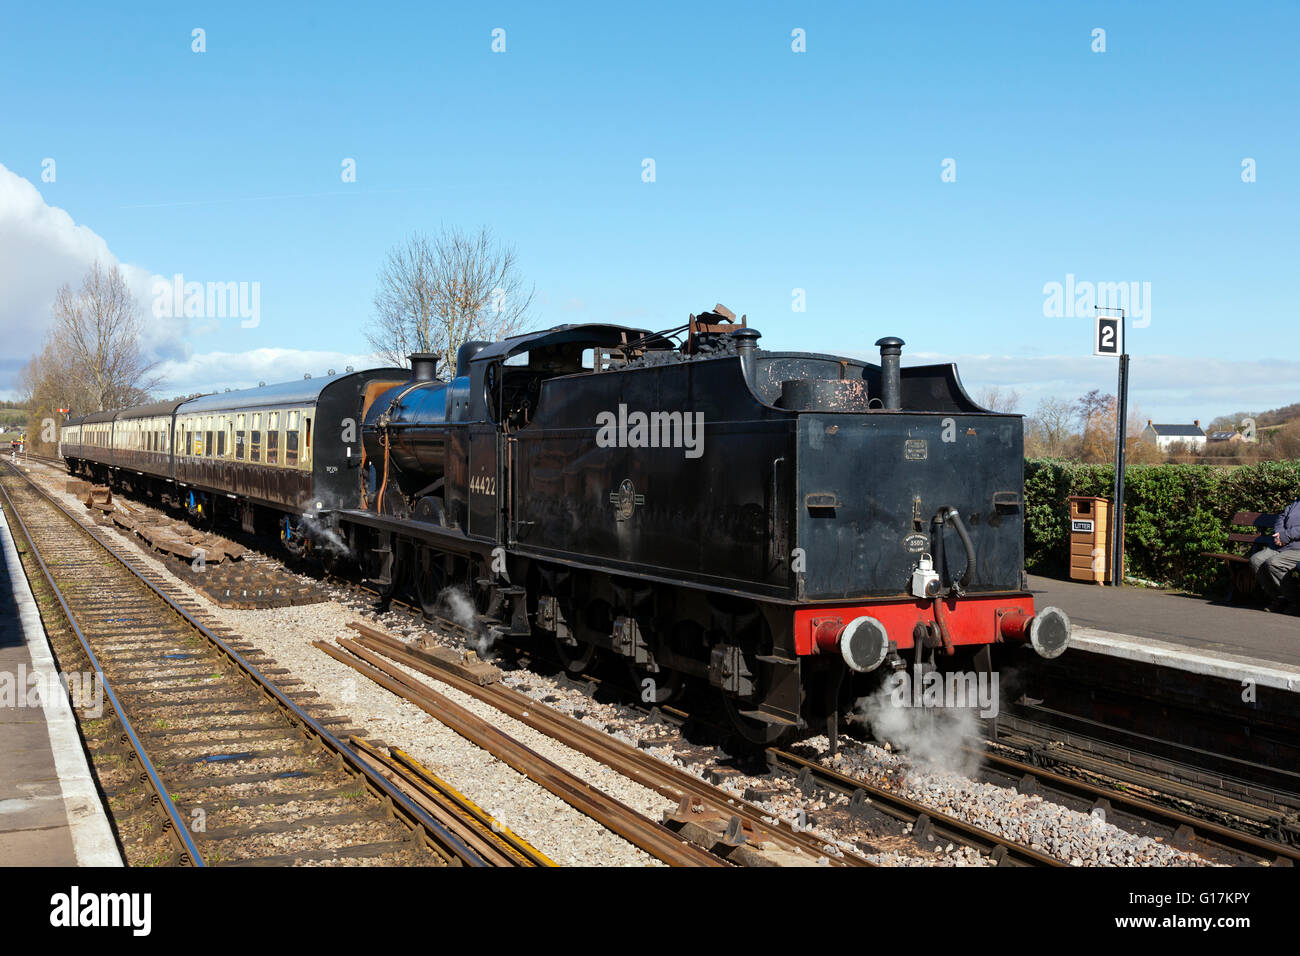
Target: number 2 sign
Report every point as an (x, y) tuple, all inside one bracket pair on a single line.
[(1110, 334)]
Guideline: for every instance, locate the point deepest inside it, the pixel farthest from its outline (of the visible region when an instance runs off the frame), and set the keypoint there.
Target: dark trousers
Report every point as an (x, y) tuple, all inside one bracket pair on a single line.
[(1271, 566)]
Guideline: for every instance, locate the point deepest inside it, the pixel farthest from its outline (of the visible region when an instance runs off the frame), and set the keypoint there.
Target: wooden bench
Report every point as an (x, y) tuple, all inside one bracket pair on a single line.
[(1241, 579)]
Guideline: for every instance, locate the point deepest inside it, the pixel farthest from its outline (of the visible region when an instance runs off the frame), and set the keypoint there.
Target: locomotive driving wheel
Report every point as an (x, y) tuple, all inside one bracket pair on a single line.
[(431, 566), (655, 684), (576, 655), (430, 579), (658, 683), (579, 652)]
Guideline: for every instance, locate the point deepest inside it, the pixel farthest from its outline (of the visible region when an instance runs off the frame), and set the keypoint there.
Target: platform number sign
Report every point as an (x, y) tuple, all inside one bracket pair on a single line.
[(1109, 335)]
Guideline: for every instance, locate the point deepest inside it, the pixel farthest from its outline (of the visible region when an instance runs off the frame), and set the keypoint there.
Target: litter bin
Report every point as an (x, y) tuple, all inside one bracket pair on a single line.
[(1090, 544)]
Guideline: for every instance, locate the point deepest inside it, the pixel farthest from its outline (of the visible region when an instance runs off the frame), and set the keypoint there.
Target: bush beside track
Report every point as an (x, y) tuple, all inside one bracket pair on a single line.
[(1172, 514)]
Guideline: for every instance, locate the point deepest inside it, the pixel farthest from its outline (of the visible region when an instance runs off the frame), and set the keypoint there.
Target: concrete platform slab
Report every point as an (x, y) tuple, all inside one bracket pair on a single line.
[(1178, 630)]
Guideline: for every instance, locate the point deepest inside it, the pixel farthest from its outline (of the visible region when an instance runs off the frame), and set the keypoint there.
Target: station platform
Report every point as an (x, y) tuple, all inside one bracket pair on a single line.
[(1178, 630), (50, 810)]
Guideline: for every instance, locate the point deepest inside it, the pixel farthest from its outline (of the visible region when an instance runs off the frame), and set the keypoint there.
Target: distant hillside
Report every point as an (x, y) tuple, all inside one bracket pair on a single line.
[(1272, 419), (1278, 416)]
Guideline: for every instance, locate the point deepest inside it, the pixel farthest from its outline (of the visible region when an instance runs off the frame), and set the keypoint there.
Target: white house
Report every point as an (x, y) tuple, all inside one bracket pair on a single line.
[(1165, 435)]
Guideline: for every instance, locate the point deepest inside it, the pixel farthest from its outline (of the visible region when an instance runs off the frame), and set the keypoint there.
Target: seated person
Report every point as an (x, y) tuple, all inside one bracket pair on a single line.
[(1271, 565)]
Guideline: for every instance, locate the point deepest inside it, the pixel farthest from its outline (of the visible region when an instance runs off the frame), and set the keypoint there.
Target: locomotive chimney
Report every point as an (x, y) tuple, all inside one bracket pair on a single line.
[(746, 346), (891, 388), (424, 365)]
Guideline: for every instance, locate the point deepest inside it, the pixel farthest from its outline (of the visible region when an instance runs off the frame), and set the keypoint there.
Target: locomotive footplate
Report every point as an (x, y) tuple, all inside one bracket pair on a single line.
[(445, 539)]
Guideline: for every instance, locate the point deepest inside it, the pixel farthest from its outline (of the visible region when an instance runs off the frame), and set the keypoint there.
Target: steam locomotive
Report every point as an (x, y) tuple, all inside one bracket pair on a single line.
[(787, 528)]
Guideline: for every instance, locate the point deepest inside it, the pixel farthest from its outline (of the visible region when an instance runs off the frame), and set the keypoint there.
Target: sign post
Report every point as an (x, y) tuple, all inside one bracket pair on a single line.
[(1109, 340)]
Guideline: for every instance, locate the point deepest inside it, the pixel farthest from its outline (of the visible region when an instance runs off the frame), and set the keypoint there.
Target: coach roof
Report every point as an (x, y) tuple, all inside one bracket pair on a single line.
[(156, 410), (92, 418), (305, 391)]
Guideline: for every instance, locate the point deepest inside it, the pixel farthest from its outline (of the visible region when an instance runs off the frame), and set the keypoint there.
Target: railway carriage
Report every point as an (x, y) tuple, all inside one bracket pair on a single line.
[(142, 443), (86, 443), (290, 448), (247, 454)]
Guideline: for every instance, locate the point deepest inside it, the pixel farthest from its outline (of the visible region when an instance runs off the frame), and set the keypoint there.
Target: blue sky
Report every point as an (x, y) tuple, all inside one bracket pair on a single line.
[(774, 171)]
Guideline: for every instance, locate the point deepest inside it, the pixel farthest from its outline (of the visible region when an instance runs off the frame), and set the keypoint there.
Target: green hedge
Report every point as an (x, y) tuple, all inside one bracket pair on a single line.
[(1172, 513)]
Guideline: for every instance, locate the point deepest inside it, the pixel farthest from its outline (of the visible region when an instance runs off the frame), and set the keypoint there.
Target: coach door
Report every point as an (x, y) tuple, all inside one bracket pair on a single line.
[(485, 485)]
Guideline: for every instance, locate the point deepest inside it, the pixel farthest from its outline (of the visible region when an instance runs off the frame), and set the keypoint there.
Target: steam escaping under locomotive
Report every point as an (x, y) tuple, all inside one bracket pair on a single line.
[(788, 528)]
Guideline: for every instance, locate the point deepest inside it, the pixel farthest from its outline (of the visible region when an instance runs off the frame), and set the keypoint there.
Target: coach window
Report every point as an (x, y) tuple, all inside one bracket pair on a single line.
[(239, 437), (255, 453), (291, 438), (306, 439), (272, 438)]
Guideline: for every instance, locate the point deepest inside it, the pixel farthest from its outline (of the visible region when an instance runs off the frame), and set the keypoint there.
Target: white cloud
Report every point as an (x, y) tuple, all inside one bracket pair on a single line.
[(217, 371), (41, 248)]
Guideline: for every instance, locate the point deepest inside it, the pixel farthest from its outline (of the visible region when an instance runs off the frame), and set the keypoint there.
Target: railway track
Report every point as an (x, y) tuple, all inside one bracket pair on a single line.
[(1142, 815), (1145, 803), (731, 821), (708, 827), (925, 822), (1138, 815), (234, 770)]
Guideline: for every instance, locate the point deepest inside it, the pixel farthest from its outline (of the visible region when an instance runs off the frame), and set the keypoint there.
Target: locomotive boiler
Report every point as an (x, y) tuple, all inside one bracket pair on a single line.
[(785, 527)]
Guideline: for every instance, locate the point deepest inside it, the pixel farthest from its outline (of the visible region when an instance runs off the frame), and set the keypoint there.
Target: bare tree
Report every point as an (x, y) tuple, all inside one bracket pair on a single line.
[(1096, 414), (91, 359), (93, 352), (1047, 430), (997, 399), (436, 294)]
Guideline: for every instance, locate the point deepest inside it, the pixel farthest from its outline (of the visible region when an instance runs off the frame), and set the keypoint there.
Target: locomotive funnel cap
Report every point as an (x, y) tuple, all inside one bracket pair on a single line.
[(424, 366), (892, 343)]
